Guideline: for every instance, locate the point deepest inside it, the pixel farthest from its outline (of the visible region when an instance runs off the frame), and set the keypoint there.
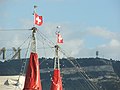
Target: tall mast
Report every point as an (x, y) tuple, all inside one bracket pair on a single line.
[(59, 40), (56, 83), (34, 29), (32, 79), (57, 61), (34, 41)]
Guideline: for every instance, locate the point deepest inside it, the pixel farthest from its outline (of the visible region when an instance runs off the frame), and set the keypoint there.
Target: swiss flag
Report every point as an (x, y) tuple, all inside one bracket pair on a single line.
[(38, 20), (59, 38)]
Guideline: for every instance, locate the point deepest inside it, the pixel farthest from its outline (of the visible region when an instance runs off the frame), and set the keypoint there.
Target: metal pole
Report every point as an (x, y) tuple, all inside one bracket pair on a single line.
[(34, 29), (56, 62), (33, 44), (4, 50), (34, 11), (19, 53)]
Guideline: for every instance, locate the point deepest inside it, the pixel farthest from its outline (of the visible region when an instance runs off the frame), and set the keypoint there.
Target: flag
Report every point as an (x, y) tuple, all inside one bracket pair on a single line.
[(32, 79), (38, 20), (59, 38)]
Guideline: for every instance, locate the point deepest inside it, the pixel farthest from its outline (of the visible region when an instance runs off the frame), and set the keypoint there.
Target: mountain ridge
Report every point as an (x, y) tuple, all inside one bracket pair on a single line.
[(103, 73)]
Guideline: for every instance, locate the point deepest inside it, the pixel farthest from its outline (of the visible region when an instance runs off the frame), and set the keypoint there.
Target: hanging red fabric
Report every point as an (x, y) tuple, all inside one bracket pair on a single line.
[(32, 80), (56, 80)]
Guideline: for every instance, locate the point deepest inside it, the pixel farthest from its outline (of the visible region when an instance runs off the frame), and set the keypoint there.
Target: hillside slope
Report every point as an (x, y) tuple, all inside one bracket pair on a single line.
[(98, 73)]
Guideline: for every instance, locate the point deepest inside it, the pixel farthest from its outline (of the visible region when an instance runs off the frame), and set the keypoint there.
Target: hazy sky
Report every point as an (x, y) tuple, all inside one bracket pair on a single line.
[(86, 25)]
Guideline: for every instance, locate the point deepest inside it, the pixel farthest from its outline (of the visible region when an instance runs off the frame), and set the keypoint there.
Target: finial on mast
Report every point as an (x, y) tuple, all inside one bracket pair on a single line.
[(35, 6), (34, 9), (58, 27), (58, 30)]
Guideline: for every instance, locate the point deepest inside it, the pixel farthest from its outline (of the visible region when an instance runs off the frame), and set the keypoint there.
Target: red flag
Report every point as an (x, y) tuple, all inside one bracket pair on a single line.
[(59, 38), (38, 20), (32, 80), (56, 80)]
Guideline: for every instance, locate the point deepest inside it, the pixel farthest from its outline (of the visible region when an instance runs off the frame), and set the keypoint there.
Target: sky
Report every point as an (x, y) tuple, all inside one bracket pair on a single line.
[(87, 26)]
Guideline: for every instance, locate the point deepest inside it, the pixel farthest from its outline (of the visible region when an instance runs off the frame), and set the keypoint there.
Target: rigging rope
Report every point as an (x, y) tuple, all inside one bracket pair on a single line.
[(45, 59), (46, 38), (22, 70), (90, 84), (43, 42), (50, 43), (83, 74), (19, 47)]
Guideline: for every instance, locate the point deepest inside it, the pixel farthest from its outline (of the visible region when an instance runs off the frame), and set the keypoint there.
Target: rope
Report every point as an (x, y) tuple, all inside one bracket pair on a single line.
[(25, 41), (83, 74), (44, 48), (13, 29), (24, 63), (46, 38), (43, 42), (19, 47), (22, 71), (80, 83)]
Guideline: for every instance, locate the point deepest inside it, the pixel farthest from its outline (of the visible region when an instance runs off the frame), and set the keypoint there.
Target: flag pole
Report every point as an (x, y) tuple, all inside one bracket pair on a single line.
[(57, 32), (56, 82), (32, 78), (57, 62), (34, 29), (34, 11)]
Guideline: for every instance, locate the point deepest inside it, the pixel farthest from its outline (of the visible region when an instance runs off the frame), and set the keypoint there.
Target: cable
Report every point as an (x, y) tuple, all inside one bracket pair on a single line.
[(50, 43), (43, 43), (81, 73), (84, 75), (19, 47), (22, 70), (14, 29), (47, 41), (46, 38)]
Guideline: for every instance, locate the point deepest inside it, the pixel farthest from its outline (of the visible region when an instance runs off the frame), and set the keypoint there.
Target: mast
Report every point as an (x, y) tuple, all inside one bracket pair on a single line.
[(59, 40), (34, 30), (32, 79), (34, 41), (57, 61), (56, 83)]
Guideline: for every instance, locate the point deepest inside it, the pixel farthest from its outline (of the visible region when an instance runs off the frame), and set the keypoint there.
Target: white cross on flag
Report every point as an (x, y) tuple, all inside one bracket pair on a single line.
[(38, 20), (59, 38)]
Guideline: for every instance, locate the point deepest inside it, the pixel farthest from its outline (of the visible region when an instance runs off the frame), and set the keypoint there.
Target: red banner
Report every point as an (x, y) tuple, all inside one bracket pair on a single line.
[(56, 80), (32, 80)]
